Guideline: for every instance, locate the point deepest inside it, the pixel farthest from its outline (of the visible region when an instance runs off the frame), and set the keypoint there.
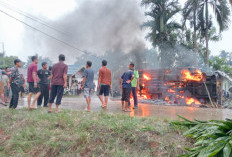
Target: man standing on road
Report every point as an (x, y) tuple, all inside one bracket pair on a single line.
[(22, 88), (2, 92), (104, 84), (50, 70), (58, 83), (7, 70), (6, 83), (44, 76), (16, 78), (125, 85), (135, 86), (87, 84), (32, 81)]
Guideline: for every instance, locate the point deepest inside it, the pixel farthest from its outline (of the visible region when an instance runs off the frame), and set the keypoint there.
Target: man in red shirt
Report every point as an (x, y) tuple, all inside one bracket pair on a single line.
[(104, 83), (32, 81), (58, 83)]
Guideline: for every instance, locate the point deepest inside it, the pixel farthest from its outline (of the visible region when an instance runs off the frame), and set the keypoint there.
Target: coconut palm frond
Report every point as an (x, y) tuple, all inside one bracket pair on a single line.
[(174, 25), (222, 13), (150, 24), (212, 138), (161, 12)]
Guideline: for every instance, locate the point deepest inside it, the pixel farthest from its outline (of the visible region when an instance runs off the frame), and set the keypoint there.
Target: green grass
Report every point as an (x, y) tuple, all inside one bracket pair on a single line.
[(75, 133)]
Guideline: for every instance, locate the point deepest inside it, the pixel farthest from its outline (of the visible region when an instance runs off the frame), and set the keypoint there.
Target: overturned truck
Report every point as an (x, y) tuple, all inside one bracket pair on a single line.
[(183, 86)]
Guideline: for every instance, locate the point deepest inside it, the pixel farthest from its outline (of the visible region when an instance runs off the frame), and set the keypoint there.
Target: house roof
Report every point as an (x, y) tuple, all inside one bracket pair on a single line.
[(73, 69), (223, 74)]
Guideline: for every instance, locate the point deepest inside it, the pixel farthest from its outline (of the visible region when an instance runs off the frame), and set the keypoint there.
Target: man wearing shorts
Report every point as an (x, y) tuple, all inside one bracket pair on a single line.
[(87, 84), (125, 85), (58, 83), (32, 81), (104, 84)]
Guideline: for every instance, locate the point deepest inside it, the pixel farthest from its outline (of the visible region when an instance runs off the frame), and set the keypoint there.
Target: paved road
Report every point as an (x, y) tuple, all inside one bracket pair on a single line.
[(146, 110)]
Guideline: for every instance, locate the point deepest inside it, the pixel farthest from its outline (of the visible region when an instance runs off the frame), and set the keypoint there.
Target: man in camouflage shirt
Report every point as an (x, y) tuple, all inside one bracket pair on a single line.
[(16, 79)]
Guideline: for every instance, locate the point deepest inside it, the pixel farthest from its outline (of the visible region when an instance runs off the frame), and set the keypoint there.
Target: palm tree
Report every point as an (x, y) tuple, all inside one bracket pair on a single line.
[(190, 12), (163, 27), (197, 11), (222, 13)]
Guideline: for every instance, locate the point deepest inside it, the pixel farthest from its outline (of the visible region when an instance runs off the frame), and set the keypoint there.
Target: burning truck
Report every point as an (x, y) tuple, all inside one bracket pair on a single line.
[(182, 86)]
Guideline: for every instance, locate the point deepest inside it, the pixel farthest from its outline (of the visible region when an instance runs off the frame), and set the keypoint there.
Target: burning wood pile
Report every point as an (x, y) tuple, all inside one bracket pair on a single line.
[(182, 86)]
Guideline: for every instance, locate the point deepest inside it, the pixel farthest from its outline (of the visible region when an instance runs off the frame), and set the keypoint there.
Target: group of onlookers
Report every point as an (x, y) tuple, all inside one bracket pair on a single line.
[(49, 84), (75, 88)]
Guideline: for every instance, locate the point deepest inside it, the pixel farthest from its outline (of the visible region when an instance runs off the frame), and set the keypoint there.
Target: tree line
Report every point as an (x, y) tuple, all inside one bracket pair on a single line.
[(194, 31), (222, 62), (8, 61)]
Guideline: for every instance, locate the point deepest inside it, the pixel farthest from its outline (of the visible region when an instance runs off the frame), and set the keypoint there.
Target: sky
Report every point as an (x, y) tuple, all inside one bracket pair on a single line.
[(12, 32)]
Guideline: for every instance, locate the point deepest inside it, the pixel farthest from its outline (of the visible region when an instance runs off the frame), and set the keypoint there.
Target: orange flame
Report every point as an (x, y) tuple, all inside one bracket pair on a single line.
[(175, 96), (145, 97), (171, 91), (190, 101), (167, 99), (146, 77), (180, 96), (181, 92), (188, 76)]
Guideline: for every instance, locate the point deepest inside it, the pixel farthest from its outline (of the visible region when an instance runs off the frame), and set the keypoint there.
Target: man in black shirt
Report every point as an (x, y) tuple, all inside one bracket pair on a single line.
[(44, 76)]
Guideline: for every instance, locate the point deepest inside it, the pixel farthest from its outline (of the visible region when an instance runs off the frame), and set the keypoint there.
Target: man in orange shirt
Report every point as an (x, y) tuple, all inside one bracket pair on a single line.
[(104, 83)]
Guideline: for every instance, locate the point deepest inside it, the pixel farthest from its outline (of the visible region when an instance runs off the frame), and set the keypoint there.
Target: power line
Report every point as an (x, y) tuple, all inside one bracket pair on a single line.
[(32, 17), (36, 19), (61, 41), (39, 20)]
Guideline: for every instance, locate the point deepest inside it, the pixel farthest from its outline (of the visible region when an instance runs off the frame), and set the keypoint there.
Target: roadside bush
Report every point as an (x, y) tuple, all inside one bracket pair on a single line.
[(211, 138)]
